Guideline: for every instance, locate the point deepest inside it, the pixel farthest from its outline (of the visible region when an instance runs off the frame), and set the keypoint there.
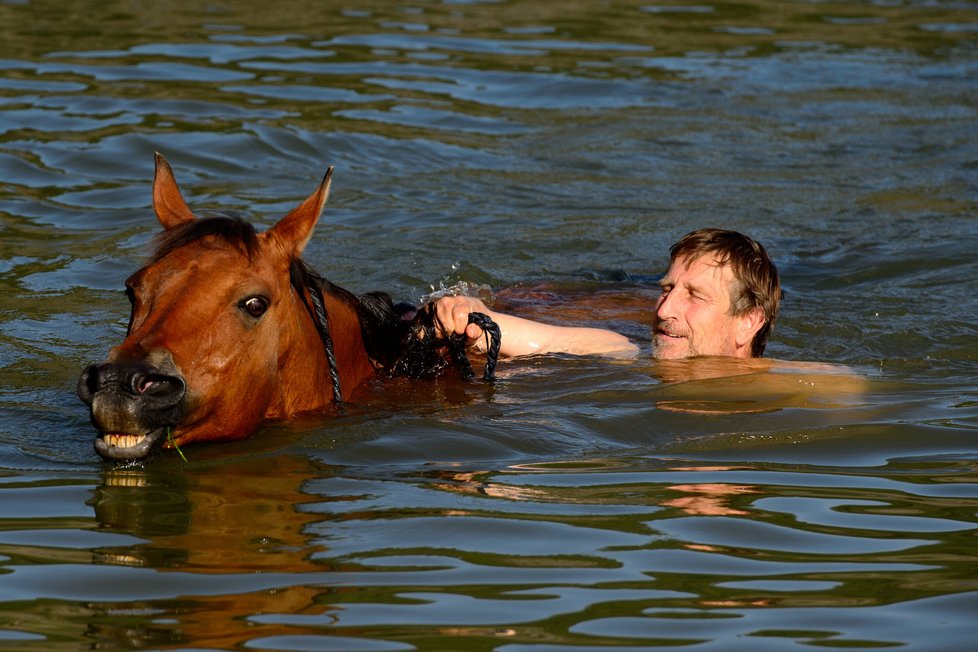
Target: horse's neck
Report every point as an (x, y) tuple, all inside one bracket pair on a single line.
[(352, 360), (306, 383)]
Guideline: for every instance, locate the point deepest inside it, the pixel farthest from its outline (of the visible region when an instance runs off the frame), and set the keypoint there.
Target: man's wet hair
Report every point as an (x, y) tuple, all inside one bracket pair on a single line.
[(756, 282)]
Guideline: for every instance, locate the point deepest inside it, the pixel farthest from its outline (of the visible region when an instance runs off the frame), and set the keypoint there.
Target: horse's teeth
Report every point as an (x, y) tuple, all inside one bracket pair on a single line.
[(123, 441)]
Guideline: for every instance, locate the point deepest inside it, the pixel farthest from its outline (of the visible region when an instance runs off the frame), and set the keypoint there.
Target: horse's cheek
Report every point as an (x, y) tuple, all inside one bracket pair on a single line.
[(225, 400), (252, 384)]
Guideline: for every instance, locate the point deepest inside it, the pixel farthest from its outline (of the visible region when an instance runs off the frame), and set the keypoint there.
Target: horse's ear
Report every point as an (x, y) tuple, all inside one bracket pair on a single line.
[(294, 230), (171, 209)]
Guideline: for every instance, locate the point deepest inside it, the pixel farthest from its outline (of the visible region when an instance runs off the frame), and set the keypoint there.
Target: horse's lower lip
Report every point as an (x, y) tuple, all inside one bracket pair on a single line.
[(124, 446)]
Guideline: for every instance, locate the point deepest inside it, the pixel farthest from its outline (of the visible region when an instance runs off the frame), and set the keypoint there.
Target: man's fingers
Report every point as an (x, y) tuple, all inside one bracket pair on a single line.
[(452, 315), (472, 331), (460, 318)]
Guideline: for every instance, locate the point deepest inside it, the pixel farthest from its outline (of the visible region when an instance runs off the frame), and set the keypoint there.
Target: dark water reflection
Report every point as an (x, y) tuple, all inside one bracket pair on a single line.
[(547, 153)]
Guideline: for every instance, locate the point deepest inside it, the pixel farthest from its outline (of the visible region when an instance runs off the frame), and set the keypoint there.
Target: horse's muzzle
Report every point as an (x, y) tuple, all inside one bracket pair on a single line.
[(132, 405)]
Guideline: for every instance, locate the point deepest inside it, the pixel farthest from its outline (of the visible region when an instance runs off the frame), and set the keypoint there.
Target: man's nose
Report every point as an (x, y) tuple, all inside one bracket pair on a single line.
[(665, 307)]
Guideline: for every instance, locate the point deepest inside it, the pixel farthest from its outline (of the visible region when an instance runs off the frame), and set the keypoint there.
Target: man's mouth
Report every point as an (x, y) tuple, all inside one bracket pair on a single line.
[(127, 447), (659, 332)]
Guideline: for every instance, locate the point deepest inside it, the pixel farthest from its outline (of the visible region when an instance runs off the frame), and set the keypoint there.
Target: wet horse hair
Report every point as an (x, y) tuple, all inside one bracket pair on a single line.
[(421, 356), (396, 346)]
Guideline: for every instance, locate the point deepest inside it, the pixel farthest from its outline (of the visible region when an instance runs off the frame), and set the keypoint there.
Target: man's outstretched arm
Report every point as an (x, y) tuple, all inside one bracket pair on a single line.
[(526, 337)]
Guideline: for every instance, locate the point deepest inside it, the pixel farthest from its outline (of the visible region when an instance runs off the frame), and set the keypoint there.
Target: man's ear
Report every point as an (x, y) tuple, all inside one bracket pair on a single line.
[(748, 324)]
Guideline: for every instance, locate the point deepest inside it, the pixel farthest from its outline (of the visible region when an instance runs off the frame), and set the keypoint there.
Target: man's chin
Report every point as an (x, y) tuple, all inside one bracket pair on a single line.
[(670, 348)]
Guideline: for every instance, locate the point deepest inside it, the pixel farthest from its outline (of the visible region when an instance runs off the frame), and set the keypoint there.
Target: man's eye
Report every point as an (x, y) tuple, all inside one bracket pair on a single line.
[(255, 306)]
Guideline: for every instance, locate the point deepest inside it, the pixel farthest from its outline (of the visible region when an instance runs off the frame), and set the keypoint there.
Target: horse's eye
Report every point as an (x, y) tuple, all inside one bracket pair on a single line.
[(255, 306)]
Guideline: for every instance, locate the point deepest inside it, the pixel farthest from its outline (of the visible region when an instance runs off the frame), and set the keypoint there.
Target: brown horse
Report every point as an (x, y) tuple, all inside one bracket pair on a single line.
[(229, 328)]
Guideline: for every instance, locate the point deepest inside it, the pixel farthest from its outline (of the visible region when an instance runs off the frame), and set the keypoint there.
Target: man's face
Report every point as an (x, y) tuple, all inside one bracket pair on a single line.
[(693, 312)]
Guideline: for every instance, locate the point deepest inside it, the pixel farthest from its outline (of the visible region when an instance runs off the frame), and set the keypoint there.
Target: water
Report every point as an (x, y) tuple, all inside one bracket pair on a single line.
[(549, 152)]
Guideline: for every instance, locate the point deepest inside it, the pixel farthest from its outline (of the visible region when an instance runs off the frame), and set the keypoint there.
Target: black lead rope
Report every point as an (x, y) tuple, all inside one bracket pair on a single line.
[(422, 352), (420, 349), (417, 361), (456, 346)]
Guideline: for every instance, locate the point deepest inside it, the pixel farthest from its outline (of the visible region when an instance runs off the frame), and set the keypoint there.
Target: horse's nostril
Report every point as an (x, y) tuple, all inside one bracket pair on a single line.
[(159, 386), (87, 384), (136, 379)]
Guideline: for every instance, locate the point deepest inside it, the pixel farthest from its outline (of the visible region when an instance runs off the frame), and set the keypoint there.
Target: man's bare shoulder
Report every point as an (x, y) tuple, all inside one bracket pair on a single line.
[(729, 385)]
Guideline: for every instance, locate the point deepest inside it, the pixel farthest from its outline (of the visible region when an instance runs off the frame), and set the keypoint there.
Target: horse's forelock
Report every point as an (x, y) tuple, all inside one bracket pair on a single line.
[(233, 230)]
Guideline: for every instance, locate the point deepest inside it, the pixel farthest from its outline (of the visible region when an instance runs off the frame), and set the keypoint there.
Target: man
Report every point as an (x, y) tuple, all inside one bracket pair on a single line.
[(719, 297)]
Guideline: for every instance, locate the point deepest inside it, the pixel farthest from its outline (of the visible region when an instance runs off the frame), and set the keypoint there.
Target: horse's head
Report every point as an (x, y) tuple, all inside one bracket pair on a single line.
[(213, 318)]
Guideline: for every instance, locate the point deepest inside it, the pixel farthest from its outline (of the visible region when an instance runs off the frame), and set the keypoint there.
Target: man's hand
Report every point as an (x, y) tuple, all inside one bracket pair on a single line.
[(453, 317)]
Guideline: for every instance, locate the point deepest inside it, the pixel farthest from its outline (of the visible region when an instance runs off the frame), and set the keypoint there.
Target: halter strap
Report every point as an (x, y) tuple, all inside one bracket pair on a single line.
[(322, 326), (320, 318)]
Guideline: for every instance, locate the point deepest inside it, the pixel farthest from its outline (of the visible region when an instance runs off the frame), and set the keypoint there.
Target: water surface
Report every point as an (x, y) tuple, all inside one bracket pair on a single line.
[(545, 154)]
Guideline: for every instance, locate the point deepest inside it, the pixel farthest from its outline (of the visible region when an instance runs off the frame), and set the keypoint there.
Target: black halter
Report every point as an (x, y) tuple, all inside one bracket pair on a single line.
[(322, 325), (418, 352), (304, 282)]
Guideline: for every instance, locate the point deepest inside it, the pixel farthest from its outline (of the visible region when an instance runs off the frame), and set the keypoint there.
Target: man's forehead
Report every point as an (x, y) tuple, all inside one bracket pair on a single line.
[(702, 266)]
